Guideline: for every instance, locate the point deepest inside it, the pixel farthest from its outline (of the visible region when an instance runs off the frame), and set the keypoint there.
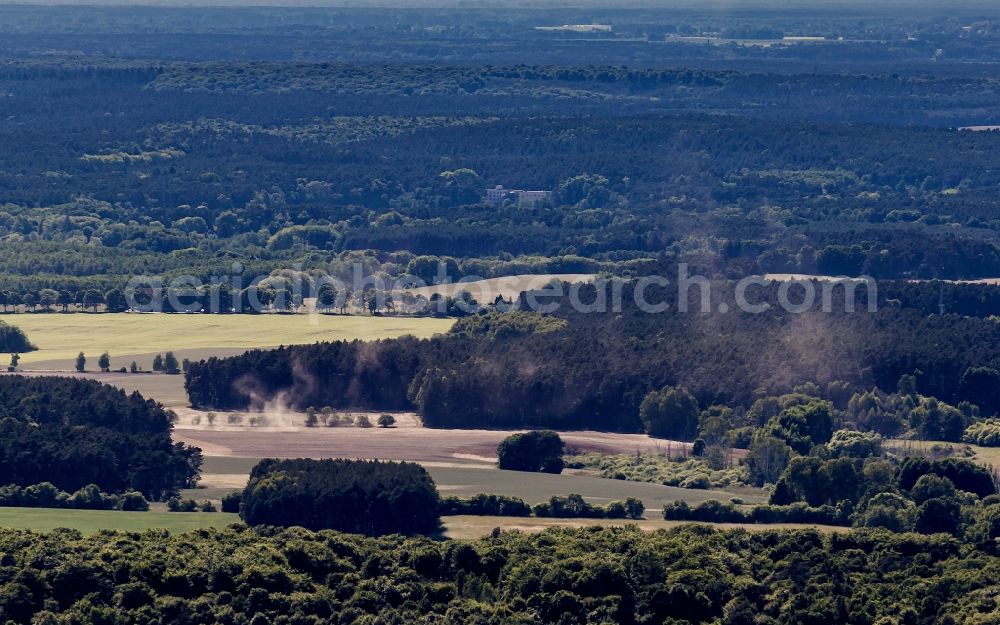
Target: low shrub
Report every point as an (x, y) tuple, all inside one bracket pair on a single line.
[(569, 507), (485, 505), (231, 502), (983, 433), (685, 473)]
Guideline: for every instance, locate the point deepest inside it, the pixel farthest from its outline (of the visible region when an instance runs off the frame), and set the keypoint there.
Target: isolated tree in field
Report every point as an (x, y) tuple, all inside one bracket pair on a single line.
[(670, 413), (81, 362), (210, 418), (311, 419), (537, 451), (386, 421), (133, 501), (134, 367), (185, 364), (234, 419), (104, 362), (65, 299), (158, 363), (364, 421), (170, 364)]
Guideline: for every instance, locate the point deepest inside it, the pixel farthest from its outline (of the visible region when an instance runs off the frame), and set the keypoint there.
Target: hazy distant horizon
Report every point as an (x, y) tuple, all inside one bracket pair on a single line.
[(471, 4)]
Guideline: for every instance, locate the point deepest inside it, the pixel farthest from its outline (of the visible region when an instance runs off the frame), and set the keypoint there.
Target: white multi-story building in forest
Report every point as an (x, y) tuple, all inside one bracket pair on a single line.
[(498, 195)]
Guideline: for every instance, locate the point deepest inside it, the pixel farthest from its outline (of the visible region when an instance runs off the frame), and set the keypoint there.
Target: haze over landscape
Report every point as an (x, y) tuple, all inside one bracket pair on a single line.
[(500, 313)]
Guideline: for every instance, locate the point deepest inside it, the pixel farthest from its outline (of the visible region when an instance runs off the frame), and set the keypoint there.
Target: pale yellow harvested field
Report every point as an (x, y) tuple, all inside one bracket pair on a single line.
[(60, 337), (508, 286), (166, 389)]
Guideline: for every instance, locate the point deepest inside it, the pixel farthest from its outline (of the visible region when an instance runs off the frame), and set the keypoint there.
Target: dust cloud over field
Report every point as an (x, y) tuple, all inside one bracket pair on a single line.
[(461, 462)]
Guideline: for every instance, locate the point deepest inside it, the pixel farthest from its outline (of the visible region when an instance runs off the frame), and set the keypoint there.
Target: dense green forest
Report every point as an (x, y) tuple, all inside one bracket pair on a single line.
[(599, 367), (945, 496), (73, 433), (620, 575), (232, 153), (192, 141)]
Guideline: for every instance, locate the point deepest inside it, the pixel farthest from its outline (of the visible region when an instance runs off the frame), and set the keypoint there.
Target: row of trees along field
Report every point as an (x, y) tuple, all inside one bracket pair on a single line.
[(286, 291)]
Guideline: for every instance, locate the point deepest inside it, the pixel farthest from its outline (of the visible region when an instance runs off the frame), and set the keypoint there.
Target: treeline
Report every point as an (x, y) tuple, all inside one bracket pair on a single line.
[(949, 495), (569, 507), (90, 497), (596, 372), (47, 277), (73, 433), (646, 36), (284, 290), (619, 575), (717, 512)]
